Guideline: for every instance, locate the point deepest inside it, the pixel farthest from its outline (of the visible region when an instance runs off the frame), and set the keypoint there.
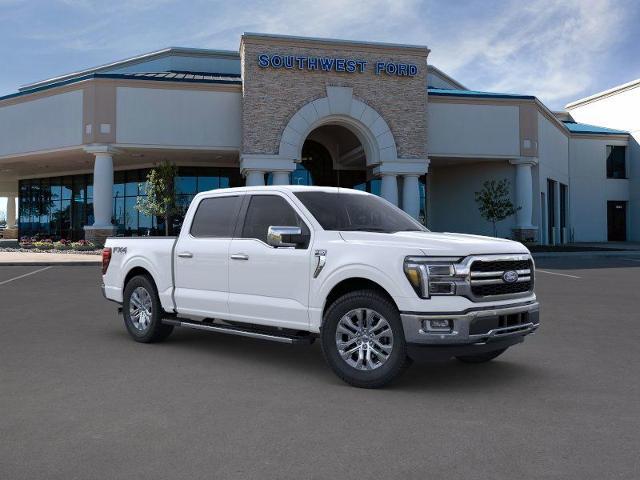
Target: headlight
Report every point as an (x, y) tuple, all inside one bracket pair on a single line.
[(431, 275)]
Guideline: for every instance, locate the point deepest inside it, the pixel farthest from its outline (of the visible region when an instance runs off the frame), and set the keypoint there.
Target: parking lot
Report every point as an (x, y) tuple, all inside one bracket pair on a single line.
[(79, 399)]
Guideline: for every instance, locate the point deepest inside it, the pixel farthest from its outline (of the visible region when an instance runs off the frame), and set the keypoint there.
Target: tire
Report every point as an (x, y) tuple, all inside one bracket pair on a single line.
[(142, 311), (356, 318), (481, 357)]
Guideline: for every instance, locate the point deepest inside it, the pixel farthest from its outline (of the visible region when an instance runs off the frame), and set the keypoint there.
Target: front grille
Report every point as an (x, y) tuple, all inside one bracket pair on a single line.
[(497, 289), (487, 277), (500, 265)]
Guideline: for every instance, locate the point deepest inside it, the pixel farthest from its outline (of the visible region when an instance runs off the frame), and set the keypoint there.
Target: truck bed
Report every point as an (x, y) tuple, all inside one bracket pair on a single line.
[(154, 254)]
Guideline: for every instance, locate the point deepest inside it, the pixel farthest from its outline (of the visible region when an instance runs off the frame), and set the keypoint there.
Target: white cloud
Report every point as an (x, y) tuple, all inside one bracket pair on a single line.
[(547, 48), (543, 47)]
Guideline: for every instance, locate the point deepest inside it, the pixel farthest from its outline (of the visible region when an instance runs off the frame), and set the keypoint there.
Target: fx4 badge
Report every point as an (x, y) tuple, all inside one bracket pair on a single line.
[(122, 250)]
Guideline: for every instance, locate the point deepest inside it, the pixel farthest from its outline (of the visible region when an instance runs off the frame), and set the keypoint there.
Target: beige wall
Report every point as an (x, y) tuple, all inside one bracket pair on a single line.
[(172, 117), (473, 129), (451, 196), (272, 96), (45, 123)]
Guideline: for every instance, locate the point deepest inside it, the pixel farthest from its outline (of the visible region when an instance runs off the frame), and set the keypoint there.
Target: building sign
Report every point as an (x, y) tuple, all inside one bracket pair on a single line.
[(334, 64)]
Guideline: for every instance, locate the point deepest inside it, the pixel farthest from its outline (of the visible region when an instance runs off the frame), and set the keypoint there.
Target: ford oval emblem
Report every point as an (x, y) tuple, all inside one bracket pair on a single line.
[(510, 276)]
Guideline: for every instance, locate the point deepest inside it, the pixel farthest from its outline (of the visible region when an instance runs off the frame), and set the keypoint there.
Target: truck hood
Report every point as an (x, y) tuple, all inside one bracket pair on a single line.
[(437, 244)]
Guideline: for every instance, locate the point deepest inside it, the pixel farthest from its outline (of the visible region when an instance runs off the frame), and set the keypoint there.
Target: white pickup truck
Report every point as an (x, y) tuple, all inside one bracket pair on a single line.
[(291, 264)]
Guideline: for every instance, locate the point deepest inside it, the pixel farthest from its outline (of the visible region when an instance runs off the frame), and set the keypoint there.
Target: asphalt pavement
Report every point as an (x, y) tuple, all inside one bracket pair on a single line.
[(80, 400)]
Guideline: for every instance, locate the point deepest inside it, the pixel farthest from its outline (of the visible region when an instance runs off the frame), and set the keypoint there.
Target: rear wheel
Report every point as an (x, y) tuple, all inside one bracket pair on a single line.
[(363, 340), (142, 311), (481, 357)]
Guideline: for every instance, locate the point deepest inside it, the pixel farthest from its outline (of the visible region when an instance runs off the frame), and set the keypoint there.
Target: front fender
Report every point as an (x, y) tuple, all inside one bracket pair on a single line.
[(356, 270)]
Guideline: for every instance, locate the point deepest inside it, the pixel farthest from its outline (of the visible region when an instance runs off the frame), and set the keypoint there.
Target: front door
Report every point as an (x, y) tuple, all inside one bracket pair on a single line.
[(268, 284), (617, 221), (202, 258)]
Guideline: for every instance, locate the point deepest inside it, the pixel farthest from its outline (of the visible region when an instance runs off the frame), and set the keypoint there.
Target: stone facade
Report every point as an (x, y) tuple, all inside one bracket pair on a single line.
[(272, 96)]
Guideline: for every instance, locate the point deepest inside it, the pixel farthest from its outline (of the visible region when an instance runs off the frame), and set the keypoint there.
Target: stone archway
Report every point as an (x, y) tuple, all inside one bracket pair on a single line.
[(339, 107)]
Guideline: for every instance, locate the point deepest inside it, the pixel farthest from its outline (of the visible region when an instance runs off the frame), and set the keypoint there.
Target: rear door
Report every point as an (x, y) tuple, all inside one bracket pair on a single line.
[(269, 285), (202, 258), (617, 221)]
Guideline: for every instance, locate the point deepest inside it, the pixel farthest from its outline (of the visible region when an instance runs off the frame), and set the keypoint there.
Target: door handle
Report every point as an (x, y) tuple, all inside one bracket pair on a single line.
[(185, 255), (239, 256)]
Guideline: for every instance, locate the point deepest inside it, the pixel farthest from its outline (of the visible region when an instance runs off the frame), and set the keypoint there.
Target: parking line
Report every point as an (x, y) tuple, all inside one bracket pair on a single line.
[(25, 275), (556, 273)]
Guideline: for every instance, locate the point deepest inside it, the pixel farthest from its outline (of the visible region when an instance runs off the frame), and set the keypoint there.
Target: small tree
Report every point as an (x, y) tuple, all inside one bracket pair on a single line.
[(494, 202), (161, 195)]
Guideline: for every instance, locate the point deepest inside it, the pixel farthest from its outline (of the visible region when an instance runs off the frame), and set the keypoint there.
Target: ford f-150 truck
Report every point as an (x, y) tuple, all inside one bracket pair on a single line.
[(292, 264)]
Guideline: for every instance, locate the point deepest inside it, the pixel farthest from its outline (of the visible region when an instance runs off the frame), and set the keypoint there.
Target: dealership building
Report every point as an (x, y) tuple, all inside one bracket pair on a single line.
[(75, 149)]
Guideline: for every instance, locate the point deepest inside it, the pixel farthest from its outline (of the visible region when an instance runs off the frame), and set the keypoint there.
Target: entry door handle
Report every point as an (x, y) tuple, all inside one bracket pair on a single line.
[(185, 255), (239, 256)]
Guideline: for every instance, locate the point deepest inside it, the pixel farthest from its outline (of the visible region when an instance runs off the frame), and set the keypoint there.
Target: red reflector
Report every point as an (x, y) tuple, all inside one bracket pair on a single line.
[(106, 259)]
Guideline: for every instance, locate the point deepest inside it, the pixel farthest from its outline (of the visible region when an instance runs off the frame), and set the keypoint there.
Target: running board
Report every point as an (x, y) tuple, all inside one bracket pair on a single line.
[(242, 332)]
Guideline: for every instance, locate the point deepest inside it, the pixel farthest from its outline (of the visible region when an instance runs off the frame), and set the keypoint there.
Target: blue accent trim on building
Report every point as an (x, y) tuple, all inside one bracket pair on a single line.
[(585, 128), (225, 79), (444, 92)]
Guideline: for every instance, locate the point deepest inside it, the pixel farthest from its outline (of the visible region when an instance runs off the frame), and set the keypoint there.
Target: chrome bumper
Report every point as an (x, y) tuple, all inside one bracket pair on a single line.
[(415, 333)]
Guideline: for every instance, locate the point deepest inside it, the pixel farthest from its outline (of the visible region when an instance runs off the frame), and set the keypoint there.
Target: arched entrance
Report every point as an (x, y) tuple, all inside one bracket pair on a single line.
[(332, 155)]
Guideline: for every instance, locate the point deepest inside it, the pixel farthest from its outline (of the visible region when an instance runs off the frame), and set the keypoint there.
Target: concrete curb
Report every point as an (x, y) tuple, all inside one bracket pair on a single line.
[(617, 253), (49, 264)]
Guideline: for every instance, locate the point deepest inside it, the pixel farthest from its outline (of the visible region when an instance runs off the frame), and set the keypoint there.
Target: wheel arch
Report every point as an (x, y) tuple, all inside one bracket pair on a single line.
[(134, 272), (353, 284)]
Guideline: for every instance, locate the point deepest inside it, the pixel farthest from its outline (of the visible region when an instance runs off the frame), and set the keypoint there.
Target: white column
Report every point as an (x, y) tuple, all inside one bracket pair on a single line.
[(389, 187), (11, 212), (254, 178), (411, 195), (280, 178), (524, 194), (103, 189)]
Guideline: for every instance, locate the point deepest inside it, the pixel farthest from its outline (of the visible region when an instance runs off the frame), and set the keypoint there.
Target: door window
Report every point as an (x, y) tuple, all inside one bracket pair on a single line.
[(269, 210), (216, 217)]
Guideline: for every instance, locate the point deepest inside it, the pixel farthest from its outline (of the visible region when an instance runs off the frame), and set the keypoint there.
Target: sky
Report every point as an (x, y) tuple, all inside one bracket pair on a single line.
[(557, 50)]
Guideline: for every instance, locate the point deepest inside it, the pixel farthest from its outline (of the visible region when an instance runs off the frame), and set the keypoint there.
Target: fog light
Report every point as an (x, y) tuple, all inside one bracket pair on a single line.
[(439, 325)]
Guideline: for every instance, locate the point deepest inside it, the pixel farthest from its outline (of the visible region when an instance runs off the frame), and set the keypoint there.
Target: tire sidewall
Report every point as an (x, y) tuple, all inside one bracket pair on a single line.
[(364, 378), (156, 317)]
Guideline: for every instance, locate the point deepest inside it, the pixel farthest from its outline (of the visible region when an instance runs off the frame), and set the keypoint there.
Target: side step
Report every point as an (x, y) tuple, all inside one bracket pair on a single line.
[(272, 336)]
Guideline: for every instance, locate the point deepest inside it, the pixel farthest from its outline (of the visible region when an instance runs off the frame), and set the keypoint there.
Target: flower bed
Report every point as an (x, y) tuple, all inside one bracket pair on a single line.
[(46, 245)]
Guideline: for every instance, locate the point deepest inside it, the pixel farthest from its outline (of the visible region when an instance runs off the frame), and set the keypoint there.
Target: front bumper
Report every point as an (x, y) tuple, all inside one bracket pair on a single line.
[(477, 330)]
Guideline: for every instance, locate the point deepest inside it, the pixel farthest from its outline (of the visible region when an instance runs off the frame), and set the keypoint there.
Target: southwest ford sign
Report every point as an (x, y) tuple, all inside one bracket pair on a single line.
[(334, 64)]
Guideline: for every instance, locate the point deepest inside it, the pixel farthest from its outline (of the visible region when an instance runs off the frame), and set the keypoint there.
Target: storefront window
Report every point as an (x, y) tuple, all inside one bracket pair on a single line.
[(59, 207)]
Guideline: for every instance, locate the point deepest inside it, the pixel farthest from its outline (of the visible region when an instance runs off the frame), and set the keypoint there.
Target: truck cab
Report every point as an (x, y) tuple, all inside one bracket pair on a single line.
[(293, 264)]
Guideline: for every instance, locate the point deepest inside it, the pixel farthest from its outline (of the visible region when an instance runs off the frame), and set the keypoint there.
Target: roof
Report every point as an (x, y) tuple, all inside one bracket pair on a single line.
[(435, 70), (135, 60), (172, 76), (604, 93), (585, 128), (474, 93)]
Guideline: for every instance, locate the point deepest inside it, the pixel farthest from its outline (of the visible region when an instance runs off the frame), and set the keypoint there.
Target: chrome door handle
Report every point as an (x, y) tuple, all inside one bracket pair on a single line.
[(185, 255), (239, 256)]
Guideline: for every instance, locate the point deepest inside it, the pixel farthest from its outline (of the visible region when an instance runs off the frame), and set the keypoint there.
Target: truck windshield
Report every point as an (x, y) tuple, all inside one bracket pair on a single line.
[(356, 212)]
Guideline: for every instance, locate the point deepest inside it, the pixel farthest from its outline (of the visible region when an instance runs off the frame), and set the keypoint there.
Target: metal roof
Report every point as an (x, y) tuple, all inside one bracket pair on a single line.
[(187, 77), (585, 128), (444, 92), (135, 60)]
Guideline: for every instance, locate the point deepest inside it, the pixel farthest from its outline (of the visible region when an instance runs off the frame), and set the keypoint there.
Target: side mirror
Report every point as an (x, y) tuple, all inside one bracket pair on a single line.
[(285, 236)]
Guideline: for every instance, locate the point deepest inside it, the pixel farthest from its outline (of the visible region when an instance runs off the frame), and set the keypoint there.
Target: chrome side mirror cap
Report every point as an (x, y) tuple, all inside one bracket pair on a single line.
[(285, 236)]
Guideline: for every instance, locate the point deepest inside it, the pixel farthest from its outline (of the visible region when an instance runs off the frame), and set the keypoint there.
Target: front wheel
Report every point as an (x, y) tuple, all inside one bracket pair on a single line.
[(363, 340), (142, 311), (481, 357)]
